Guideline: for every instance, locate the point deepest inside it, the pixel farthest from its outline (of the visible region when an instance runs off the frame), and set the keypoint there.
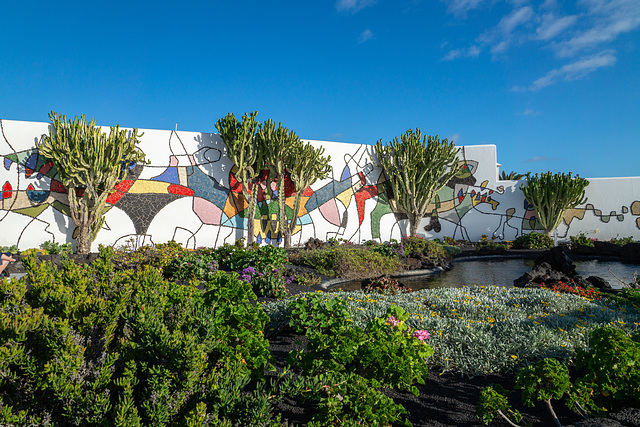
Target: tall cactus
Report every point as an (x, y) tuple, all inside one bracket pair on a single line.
[(274, 145), (552, 194), (86, 158), (305, 165), (239, 137), (417, 167)]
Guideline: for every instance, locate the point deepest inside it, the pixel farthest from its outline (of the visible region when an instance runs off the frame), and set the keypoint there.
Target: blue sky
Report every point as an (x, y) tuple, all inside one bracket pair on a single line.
[(553, 84)]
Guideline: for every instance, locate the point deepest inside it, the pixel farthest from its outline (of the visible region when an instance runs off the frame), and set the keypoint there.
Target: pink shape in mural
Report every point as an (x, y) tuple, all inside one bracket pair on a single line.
[(329, 211), (207, 211)]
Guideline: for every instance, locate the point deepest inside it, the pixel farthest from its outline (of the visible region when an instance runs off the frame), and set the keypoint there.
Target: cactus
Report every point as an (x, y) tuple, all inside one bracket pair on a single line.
[(239, 137), (86, 158), (306, 165), (417, 167), (274, 145), (286, 155), (552, 194)]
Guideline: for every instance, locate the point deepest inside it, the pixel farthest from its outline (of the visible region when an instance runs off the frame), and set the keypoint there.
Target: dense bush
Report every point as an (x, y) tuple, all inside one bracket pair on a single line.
[(54, 248), (89, 344), (350, 262), (581, 240), (415, 244), (533, 240), (158, 256)]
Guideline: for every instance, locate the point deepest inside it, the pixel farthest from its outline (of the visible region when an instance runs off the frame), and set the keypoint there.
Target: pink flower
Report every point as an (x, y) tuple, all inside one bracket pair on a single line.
[(393, 321), (422, 335)]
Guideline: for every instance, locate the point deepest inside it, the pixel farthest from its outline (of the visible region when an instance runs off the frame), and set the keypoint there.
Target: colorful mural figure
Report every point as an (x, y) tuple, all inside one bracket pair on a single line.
[(188, 193)]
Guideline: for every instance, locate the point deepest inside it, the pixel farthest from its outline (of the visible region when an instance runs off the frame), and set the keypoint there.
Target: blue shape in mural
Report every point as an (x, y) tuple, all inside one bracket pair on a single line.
[(169, 175)]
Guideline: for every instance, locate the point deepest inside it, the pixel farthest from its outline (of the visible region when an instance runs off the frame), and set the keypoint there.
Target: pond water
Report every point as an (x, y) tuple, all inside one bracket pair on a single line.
[(502, 272)]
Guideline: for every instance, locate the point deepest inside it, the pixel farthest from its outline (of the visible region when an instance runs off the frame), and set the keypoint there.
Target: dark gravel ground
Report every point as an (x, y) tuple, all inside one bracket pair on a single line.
[(445, 399)]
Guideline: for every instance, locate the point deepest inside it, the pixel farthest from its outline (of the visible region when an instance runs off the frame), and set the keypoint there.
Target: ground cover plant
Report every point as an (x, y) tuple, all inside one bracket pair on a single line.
[(486, 329)]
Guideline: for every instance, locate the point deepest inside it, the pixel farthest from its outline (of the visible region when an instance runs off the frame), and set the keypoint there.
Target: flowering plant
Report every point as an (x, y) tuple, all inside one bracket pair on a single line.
[(386, 351), (267, 284)]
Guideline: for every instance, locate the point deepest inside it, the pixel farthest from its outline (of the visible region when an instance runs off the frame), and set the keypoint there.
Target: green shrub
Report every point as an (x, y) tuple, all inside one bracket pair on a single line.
[(55, 248), (350, 262), (13, 249), (415, 244), (612, 362), (622, 240), (158, 256), (92, 345), (263, 258), (191, 266), (581, 240), (386, 352), (533, 240)]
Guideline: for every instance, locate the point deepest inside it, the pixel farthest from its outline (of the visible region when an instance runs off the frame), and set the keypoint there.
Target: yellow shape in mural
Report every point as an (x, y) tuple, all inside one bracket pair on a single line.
[(143, 186)]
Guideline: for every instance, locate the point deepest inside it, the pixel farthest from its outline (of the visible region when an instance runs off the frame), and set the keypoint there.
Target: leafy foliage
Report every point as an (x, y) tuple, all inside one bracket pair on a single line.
[(492, 402), (612, 362), (533, 240), (349, 261), (385, 352), (89, 344), (581, 240), (57, 248)]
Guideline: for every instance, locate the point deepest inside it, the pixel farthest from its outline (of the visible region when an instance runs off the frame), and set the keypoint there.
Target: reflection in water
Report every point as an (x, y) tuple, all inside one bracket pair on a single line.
[(504, 272)]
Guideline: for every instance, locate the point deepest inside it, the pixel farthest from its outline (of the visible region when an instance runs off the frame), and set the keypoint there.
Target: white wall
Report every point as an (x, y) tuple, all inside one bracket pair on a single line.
[(184, 194)]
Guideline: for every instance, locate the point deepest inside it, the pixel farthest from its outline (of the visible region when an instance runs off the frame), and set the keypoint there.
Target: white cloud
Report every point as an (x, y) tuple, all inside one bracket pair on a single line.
[(471, 52), (551, 26), (455, 138), (607, 20), (501, 36), (461, 7), (353, 6), (573, 71), (536, 159), (529, 112), (366, 35)]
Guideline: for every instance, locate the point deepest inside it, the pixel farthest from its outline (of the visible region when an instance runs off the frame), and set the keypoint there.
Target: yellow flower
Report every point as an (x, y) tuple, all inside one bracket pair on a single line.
[(514, 357)]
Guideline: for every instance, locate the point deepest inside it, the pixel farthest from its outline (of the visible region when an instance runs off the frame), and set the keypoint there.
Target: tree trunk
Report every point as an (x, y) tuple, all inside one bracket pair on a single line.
[(83, 244), (282, 213), (414, 222), (251, 212)]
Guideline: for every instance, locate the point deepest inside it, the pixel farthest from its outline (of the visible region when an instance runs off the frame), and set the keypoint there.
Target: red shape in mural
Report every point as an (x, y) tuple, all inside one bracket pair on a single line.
[(124, 186), (365, 193), (6, 190), (179, 189)]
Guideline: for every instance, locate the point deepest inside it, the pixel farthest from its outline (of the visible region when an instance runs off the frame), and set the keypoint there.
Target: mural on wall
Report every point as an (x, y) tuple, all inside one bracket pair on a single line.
[(188, 193)]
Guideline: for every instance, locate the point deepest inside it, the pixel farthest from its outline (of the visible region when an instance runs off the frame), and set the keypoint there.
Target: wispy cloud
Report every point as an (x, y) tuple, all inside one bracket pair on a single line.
[(462, 7), (551, 26), (573, 71), (455, 138), (470, 52), (582, 30), (366, 35), (537, 159), (607, 20), (500, 37), (352, 6), (529, 112)]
